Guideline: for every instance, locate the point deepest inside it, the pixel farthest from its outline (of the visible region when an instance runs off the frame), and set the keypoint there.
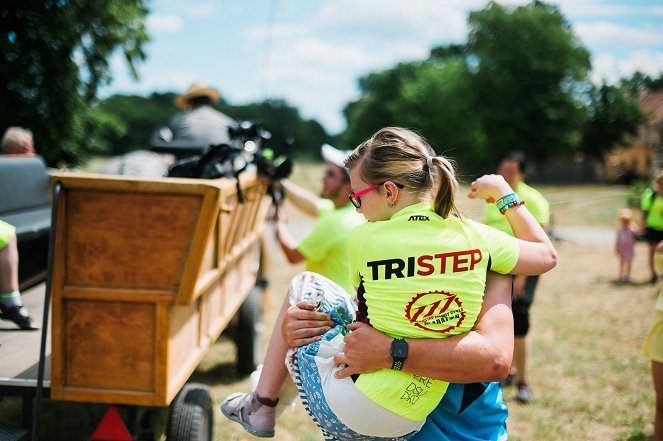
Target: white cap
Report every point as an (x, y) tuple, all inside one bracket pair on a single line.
[(335, 156)]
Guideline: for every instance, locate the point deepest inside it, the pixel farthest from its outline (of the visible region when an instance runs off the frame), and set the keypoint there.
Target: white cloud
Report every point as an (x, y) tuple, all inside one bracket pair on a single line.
[(164, 23), (601, 8), (611, 69), (603, 32), (198, 10)]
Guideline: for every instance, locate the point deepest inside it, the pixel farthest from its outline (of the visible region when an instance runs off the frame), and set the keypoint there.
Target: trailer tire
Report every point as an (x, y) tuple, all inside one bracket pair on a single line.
[(191, 414), (249, 332)]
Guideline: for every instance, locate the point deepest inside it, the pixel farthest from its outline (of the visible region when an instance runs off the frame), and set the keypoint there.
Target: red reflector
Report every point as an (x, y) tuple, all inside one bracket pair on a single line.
[(111, 428)]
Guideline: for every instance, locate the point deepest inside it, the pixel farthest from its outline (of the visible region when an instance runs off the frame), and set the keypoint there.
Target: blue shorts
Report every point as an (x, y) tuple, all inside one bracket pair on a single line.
[(468, 412)]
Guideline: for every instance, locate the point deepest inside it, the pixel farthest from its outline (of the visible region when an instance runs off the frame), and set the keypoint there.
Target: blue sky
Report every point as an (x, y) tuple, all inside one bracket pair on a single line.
[(312, 52)]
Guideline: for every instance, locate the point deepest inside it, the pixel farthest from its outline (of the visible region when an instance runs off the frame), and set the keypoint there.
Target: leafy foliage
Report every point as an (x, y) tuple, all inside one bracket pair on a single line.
[(612, 113), (142, 116), (54, 55), (529, 67)]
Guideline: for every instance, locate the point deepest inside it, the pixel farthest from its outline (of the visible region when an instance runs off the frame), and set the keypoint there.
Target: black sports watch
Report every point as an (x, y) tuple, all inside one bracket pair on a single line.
[(398, 353)]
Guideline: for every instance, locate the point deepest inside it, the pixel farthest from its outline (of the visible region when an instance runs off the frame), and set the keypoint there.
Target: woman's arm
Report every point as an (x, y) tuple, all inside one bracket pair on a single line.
[(487, 349), (537, 253)]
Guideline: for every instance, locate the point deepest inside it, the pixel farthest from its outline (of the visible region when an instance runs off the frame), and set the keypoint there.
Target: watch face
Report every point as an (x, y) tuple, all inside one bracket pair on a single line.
[(399, 349)]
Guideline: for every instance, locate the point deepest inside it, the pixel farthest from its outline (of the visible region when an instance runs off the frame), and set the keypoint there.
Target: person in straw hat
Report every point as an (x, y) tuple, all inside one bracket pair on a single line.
[(200, 125)]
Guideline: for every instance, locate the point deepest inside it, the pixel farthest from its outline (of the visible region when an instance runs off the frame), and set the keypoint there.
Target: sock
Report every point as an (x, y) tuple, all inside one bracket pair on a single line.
[(266, 401), (11, 299)]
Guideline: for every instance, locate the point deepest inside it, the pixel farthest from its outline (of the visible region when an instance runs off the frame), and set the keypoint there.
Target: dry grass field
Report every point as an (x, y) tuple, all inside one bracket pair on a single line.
[(588, 374)]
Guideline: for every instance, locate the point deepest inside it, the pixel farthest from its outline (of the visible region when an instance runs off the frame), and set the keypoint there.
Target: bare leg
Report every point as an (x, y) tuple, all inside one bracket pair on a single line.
[(652, 250), (274, 371), (9, 267), (520, 357), (627, 269), (657, 373)]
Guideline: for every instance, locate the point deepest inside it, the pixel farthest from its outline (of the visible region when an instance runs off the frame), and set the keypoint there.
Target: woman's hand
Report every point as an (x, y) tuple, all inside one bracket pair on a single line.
[(490, 188), (366, 350), (302, 325)]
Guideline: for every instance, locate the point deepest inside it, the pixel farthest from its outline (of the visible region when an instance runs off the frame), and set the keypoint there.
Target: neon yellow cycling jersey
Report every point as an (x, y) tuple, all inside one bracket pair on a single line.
[(422, 276), (653, 205), (537, 205)]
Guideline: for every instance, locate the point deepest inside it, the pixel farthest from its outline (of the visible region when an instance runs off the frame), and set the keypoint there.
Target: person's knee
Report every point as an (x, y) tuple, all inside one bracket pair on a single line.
[(520, 323)]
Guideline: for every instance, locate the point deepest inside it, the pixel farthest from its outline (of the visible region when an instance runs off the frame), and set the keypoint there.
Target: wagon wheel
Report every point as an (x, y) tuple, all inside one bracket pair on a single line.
[(191, 415), (249, 332)]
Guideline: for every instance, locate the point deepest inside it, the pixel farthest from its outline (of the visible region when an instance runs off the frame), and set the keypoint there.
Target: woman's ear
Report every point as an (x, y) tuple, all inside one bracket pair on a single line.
[(391, 191)]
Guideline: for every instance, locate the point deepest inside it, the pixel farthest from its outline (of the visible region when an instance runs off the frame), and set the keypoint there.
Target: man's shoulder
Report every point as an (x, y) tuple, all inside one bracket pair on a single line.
[(531, 195)]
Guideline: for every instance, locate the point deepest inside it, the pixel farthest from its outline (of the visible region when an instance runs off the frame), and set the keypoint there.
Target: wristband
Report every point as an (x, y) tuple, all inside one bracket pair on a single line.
[(508, 201)]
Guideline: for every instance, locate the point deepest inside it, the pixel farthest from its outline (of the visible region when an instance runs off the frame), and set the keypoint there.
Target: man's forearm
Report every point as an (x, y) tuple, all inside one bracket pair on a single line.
[(288, 243), (301, 198), (483, 354)]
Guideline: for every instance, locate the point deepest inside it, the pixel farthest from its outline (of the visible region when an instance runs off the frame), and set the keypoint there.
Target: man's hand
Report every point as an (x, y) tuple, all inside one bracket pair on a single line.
[(302, 325), (366, 350)]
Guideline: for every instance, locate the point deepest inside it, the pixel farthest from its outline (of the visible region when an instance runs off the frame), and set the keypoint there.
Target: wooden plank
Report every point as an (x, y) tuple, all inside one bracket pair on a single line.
[(128, 240), (109, 346), (115, 294), (206, 219)]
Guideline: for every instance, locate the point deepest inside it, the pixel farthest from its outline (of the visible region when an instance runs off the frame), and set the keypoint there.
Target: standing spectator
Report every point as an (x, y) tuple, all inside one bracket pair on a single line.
[(654, 347), (512, 167), (625, 244), (18, 141), (324, 248), (651, 226), (11, 307)]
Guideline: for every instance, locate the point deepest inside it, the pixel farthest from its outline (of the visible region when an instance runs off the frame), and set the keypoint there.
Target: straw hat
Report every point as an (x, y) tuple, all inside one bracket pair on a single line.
[(198, 88)]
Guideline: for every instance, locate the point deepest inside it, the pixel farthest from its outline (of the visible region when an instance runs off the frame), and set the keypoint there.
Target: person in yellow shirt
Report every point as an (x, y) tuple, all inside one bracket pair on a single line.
[(324, 248), (653, 348), (512, 167), (651, 206), (11, 306)]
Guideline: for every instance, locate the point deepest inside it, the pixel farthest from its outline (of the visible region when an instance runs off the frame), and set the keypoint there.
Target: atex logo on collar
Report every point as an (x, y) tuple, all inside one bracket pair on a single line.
[(418, 217)]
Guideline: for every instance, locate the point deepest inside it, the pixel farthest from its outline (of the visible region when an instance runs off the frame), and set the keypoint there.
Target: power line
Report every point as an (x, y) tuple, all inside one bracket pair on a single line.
[(267, 47)]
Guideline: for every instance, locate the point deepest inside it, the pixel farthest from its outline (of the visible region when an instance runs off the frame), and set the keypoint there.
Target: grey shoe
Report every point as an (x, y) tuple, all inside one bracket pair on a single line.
[(524, 394), (256, 418)]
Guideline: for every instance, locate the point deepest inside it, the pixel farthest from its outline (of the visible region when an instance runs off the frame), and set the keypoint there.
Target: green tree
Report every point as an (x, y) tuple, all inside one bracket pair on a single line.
[(54, 57), (527, 69), (140, 117), (612, 114), (378, 105), (640, 81)]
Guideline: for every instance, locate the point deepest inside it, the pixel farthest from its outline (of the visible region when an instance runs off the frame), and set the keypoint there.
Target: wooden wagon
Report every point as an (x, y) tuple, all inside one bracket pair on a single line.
[(146, 274)]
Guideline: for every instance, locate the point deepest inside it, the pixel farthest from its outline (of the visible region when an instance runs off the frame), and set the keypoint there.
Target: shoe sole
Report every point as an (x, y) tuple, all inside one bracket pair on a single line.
[(248, 427), (23, 326)]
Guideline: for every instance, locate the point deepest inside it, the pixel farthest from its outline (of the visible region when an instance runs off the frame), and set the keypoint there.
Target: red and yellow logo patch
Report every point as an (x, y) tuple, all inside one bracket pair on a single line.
[(437, 311)]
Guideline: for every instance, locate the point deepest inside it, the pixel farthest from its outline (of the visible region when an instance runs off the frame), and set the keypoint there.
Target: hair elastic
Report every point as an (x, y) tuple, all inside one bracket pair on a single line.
[(429, 161)]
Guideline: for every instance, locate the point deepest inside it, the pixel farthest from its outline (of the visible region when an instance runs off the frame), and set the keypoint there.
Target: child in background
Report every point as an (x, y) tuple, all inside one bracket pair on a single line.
[(625, 244)]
